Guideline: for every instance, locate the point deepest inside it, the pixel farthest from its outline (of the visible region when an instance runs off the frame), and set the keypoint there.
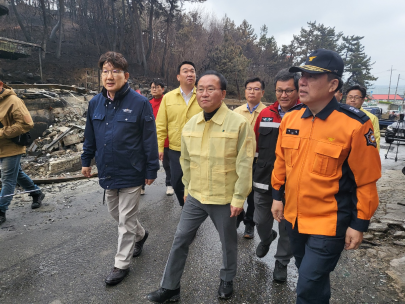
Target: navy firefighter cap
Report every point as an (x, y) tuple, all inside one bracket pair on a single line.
[(321, 61)]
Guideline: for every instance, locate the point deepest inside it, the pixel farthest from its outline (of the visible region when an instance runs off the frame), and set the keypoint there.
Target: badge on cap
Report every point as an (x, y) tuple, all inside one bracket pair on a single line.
[(370, 138)]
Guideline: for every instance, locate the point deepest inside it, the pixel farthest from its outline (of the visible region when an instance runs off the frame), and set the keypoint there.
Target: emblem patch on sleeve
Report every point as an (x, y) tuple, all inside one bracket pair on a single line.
[(370, 138), (293, 131)]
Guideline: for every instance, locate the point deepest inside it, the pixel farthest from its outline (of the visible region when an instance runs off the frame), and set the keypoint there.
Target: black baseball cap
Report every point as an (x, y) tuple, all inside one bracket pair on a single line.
[(321, 61)]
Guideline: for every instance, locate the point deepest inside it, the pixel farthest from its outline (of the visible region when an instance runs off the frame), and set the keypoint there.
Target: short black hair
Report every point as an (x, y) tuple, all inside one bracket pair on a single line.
[(117, 60), (221, 77), (157, 82), (183, 63), (255, 79), (332, 76), (359, 88), (285, 75)]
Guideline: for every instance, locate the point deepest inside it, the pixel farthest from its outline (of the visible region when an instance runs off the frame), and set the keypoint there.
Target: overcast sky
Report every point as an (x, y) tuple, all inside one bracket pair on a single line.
[(381, 22)]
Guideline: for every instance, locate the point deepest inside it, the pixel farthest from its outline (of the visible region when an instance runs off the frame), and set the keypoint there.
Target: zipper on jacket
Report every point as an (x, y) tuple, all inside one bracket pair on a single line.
[(303, 164)]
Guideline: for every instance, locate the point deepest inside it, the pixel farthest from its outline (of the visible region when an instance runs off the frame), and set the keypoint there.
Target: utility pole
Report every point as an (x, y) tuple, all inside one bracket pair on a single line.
[(389, 87), (395, 96)]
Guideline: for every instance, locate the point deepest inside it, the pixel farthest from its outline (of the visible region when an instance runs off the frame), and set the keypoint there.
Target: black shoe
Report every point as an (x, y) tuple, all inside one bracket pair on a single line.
[(139, 245), (116, 276), (249, 232), (240, 218), (37, 200), (262, 249), (225, 290), (2, 217), (280, 272), (162, 295)]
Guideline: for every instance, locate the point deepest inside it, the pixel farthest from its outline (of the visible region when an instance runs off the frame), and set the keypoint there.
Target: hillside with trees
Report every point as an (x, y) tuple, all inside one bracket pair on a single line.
[(155, 35)]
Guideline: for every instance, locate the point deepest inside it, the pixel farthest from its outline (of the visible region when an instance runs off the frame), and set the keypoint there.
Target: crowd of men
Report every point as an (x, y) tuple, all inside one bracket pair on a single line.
[(306, 161)]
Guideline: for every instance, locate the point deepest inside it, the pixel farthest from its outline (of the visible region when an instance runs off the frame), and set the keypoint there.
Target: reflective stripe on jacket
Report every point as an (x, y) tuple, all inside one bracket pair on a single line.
[(266, 131), (121, 134), (217, 157), (173, 114), (329, 165)]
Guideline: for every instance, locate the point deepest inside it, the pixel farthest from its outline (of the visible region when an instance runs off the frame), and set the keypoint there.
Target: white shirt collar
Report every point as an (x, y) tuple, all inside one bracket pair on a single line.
[(186, 97)]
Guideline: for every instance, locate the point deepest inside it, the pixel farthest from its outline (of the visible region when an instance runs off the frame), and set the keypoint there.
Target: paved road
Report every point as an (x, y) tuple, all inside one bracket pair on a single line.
[(62, 252)]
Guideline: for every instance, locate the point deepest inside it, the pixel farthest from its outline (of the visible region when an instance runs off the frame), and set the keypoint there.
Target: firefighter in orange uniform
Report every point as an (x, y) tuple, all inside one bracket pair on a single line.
[(327, 159)]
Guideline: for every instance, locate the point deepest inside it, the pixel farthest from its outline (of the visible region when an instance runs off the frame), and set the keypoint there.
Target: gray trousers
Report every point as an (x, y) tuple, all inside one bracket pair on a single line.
[(264, 223), (193, 215)]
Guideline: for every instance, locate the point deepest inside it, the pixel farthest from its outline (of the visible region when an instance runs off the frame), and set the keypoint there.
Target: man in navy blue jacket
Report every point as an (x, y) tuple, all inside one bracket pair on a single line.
[(121, 134)]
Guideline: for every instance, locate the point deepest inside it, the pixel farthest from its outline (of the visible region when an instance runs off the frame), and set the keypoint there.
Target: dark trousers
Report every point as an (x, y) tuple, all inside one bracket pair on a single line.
[(316, 257), (166, 166), (247, 217), (176, 175)]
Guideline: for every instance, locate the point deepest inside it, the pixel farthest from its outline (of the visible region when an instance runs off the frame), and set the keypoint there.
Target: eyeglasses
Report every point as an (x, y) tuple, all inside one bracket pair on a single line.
[(113, 72), (209, 90), (254, 89), (287, 92), (356, 98), (155, 88)]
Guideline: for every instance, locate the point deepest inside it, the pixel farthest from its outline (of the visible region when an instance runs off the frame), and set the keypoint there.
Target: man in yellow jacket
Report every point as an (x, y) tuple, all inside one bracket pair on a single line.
[(217, 152), (176, 109), (254, 92), (14, 121), (355, 96)]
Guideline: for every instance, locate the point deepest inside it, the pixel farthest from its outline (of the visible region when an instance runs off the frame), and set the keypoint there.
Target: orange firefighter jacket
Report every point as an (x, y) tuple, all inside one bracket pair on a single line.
[(329, 164)]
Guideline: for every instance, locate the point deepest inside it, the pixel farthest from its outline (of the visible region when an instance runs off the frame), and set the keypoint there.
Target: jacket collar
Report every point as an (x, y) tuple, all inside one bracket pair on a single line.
[(120, 94), (326, 111), (256, 108), (218, 118)]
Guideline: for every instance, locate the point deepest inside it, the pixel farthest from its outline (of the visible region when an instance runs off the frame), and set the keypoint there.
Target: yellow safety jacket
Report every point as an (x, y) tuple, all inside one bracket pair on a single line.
[(217, 157), (173, 114)]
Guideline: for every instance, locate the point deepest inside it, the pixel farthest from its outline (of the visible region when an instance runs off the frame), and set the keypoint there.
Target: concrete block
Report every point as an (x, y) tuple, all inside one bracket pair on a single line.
[(378, 227), (397, 271), (79, 147), (65, 165), (72, 139), (399, 235), (63, 129)]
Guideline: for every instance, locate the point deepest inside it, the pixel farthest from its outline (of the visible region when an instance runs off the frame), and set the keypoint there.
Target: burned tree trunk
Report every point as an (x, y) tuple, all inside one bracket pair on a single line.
[(114, 43), (139, 31), (45, 34), (20, 23), (61, 13), (150, 29)]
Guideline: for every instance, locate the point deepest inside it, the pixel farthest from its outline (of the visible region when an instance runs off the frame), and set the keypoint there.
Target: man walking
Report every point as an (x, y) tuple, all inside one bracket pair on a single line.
[(266, 131), (120, 132), (327, 158), (157, 89), (216, 157), (254, 91), (15, 119), (176, 109), (355, 96)]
